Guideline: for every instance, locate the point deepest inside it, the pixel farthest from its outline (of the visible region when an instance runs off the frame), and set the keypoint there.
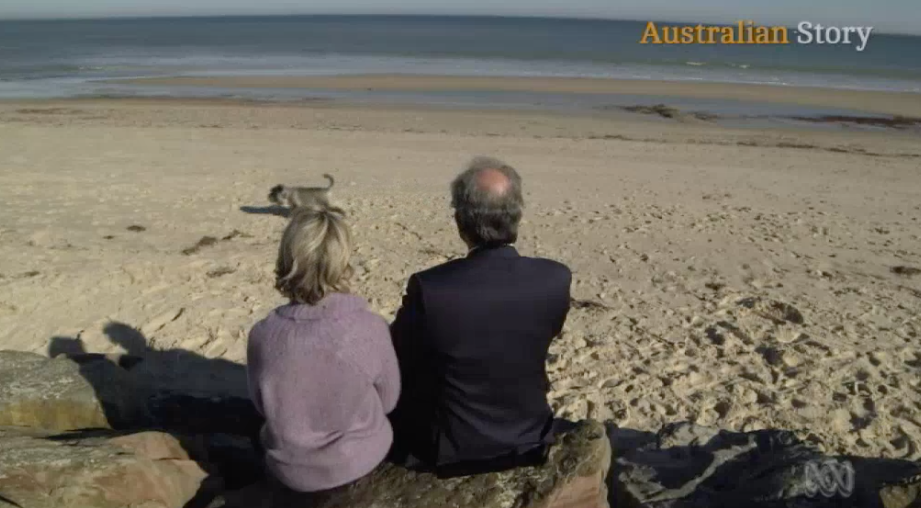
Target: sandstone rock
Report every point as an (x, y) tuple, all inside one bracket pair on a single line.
[(904, 494), (574, 477), (61, 394), (203, 413), (233, 458), (187, 395), (100, 469)]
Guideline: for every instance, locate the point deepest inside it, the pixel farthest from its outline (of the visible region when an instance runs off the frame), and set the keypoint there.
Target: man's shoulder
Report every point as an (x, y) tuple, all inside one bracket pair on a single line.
[(455, 267), (552, 274), (438, 271), (549, 265)]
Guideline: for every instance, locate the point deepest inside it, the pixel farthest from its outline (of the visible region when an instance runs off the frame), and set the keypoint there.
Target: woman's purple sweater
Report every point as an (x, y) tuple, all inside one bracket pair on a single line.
[(324, 377)]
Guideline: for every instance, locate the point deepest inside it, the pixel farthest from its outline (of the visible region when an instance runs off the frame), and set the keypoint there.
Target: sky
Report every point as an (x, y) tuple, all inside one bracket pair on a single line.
[(900, 16)]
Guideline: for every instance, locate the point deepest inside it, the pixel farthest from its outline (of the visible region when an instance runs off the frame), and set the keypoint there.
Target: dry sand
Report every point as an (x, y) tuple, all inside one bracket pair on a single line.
[(737, 278)]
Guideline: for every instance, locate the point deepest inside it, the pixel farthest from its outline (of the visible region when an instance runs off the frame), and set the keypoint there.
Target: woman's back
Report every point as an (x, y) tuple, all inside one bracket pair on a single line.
[(322, 370), (324, 377)]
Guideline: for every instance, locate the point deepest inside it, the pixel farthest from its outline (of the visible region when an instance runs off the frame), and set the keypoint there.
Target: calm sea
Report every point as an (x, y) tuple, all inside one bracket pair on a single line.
[(69, 58)]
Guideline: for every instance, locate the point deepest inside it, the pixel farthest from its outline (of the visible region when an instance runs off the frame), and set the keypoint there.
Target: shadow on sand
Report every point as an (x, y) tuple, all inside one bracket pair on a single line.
[(198, 399), (10, 502), (278, 211), (685, 466)]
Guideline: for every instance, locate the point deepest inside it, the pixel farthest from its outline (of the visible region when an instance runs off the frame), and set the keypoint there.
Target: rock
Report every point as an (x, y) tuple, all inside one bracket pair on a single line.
[(233, 458), (904, 494), (203, 413), (101, 469), (86, 390), (188, 392), (61, 394), (574, 477), (688, 466)]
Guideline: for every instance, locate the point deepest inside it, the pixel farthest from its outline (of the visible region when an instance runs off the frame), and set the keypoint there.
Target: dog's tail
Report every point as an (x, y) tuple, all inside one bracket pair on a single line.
[(331, 181)]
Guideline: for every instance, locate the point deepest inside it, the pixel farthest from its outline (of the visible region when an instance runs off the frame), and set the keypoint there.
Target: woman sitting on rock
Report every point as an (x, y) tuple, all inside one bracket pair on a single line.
[(322, 369)]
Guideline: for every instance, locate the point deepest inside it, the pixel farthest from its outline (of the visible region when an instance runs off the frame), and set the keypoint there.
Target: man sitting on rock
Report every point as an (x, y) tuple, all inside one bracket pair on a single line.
[(472, 338)]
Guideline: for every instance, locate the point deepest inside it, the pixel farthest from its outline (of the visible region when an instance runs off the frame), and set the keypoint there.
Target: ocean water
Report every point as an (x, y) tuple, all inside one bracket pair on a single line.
[(76, 57)]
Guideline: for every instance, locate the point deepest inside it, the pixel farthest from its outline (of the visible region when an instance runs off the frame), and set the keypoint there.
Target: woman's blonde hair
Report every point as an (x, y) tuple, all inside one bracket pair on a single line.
[(314, 255)]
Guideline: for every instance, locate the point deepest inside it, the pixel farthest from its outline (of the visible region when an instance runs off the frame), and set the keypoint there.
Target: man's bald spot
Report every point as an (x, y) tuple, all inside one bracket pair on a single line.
[(493, 182)]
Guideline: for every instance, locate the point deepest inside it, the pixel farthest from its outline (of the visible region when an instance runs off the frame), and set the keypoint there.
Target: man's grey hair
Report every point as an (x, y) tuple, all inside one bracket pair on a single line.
[(485, 217)]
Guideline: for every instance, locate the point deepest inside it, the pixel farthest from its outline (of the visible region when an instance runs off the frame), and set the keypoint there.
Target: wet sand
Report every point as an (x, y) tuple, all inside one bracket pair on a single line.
[(891, 103)]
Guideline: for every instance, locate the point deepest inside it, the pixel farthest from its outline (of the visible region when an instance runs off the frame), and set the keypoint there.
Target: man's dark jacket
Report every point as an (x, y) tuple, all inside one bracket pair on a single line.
[(472, 338)]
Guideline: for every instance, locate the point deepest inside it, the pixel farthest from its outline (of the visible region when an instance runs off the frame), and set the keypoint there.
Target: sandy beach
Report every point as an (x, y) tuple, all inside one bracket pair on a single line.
[(740, 278)]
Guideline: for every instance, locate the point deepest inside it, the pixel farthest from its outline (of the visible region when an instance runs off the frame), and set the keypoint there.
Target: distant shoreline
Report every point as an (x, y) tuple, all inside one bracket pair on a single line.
[(546, 56), (287, 15), (873, 102)]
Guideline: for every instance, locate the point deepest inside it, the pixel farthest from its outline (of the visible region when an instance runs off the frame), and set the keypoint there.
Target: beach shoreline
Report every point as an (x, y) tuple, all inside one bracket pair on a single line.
[(632, 118)]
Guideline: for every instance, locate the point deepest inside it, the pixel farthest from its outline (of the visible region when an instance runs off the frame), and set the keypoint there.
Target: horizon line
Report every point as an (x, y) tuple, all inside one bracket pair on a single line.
[(126, 17)]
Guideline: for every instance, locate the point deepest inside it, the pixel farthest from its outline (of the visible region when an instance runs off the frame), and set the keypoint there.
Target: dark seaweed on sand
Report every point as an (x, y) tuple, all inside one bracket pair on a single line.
[(220, 272), (587, 304), (208, 241), (907, 271), (893, 122), (205, 241), (656, 109), (236, 234)]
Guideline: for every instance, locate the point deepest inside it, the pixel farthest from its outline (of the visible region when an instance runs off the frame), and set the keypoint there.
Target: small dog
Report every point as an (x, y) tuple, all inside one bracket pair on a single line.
[(296, 197)]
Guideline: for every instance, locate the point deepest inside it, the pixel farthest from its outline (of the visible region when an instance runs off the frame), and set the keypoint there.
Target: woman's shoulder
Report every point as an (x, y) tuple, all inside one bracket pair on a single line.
[(364, 324), (374, 322), (343, 312), (265, 327), (334, 305), (352, 310)]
